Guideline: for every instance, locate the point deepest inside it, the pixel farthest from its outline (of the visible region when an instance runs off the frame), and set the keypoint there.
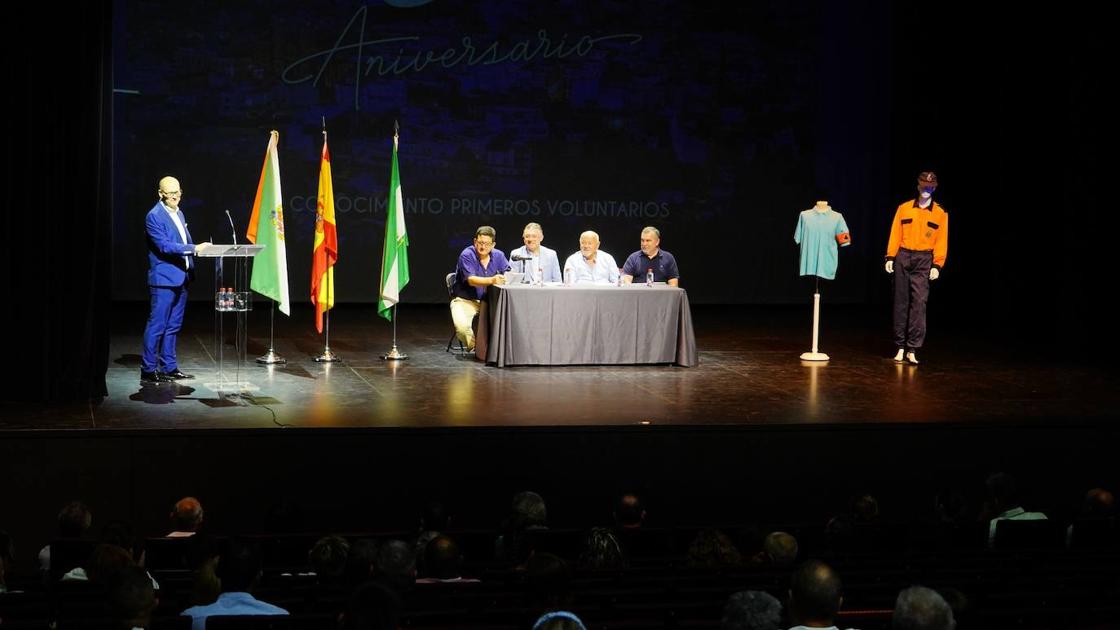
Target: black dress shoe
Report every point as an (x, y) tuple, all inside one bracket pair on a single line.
[(177, 374), (153, 377)]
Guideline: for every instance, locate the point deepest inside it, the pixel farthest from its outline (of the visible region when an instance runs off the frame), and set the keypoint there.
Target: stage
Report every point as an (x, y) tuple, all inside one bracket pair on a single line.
[(751, 433), (749, 374)]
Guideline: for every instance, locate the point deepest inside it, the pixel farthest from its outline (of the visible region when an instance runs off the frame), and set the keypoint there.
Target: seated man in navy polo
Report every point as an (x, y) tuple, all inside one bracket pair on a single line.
[(479, 266), (651, 256)]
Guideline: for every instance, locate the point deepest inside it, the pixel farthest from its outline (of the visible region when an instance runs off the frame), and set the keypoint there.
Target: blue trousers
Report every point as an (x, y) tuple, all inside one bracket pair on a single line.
[(164, 323)]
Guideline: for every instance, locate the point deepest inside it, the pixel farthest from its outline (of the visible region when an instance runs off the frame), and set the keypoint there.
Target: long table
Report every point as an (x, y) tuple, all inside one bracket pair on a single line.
[(585, 325)]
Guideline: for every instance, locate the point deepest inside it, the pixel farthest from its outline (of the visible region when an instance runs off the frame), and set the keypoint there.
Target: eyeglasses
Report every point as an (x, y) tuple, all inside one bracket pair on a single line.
[(172, 193)]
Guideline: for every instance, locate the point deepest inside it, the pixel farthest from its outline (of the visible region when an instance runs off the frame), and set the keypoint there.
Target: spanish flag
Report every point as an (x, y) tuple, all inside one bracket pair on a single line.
[(325, 253)]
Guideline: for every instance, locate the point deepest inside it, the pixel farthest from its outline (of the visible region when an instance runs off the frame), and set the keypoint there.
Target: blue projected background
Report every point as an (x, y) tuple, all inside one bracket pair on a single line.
[(717, 124)]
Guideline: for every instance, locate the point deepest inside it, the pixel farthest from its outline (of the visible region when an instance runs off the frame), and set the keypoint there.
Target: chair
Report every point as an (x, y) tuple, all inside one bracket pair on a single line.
[(251, 622), (1095, 532), (1012, 534), (448, 280)]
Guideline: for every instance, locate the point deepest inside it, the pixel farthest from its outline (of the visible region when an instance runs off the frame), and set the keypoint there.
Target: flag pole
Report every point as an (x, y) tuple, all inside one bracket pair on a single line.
[(328, 356), (394, 354), (271, 357)]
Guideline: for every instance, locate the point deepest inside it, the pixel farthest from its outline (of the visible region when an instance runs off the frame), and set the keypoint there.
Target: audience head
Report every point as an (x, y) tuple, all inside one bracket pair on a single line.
[(434, 517), (752, 610), (74, 520), (559, 620), (105, 562), (442, 559), (951, 506), (1099, 502), (372, 606), (921, 608), (780, 548), (712, 548), (131, 598), (361, 560), (239, 566), (865, 508), (328, 555), (396, 564), (186, 515), (814, 594), (547, 577), (527, 510), (629, 513), (1003, 492), (120, 533), (602, 550)]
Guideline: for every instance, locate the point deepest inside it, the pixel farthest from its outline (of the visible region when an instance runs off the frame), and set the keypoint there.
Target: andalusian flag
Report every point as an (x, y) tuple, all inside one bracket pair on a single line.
[(325, 253), (394, 264), (266, 227)]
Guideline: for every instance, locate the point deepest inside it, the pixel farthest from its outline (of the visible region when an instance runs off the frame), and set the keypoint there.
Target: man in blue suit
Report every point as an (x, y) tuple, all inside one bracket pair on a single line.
[(170, 270), (539, 258)]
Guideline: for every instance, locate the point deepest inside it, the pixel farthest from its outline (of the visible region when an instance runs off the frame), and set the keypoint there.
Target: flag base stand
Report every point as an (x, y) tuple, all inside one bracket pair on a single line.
[(394, 355), (271, 358), (814, 356), (328, 356)]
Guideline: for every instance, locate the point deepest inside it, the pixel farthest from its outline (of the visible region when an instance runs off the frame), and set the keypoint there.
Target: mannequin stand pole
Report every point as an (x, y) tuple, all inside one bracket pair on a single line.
[(815, 355)]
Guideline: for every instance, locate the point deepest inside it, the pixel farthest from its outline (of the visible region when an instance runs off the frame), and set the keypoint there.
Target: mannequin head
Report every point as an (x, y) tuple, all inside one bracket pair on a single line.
[(927, 183), (822, 206)]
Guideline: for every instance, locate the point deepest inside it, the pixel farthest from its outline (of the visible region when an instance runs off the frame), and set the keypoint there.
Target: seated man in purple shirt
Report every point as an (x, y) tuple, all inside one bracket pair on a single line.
[(651, 256), (479, 266)]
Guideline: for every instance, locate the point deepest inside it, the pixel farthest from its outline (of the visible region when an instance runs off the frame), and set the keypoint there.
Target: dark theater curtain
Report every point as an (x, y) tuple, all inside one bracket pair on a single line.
[(57, 239)]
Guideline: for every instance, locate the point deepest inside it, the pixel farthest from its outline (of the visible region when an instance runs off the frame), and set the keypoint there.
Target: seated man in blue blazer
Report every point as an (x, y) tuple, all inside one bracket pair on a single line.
[(536, 261), (170, 270)]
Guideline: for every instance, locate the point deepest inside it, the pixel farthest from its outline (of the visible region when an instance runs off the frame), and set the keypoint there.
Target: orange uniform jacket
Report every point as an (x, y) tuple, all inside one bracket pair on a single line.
[(920, 229)]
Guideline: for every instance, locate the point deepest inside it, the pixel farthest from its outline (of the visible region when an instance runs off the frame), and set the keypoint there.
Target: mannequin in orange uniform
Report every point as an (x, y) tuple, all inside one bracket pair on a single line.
[(916, 254)]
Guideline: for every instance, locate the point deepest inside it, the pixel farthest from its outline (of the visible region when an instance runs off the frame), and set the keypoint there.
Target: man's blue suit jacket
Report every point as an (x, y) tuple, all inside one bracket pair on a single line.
[(166, 267)]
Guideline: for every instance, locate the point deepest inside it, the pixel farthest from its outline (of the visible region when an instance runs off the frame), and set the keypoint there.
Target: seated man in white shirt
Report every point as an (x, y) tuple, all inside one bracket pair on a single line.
[(589, 265), (1003, 504), (536, 261)]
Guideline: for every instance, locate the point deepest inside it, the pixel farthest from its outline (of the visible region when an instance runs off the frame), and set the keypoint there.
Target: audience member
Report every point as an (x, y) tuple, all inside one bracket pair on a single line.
[(74, 520), (131, 599), (327, 558), (443, 563), (372, 606), (1004, 504), (712, 549), (239, 569), (921, 608), (815, 596), (602, 551), (751, 610), (186, 518), (396, 565)]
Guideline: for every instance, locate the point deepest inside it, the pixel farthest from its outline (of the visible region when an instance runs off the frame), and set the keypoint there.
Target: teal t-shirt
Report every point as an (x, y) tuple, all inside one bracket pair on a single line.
[(817, 234)]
